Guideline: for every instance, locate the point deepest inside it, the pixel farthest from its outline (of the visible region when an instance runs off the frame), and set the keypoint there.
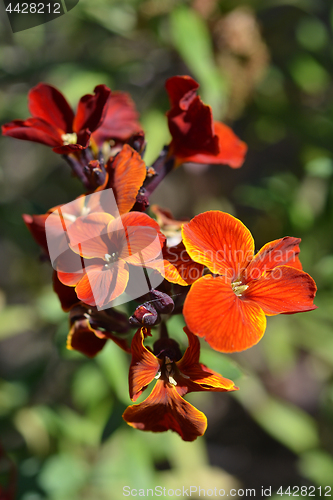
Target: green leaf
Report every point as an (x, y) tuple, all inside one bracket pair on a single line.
[(192, 39)]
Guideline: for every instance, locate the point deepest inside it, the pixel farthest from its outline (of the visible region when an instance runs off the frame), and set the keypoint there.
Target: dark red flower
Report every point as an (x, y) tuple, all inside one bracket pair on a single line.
[(195, 136), (53, 122), (176, 376)]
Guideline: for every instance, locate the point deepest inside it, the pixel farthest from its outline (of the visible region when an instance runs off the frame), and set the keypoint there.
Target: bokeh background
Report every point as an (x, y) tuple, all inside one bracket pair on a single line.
[(265, 66)]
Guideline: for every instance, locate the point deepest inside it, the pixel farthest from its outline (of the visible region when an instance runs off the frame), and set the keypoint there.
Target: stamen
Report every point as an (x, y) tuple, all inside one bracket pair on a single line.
[(238, 288), (172, 381), (107, 257), (69, 139), (158, 375)]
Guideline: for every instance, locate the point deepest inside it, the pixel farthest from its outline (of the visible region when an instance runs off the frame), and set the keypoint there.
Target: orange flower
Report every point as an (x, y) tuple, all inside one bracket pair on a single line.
[(176, 376), (108, 245), (229, 308)]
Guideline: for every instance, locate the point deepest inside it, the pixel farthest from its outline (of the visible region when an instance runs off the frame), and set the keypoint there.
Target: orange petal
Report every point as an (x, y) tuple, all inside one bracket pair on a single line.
[(101, 285), (164, 409), (144, 366), (129, 172), (228, 323), (220, 242), (198, 376), (276, 253), (179, 267), (88, 235), (283, 290), (66, 294), (82, 338)]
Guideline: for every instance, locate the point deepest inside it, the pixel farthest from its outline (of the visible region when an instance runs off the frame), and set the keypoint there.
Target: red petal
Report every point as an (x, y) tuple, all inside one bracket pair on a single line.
[(231, 152), (91, 109), (33, 129), (164, 409), (83, 140), (220, 242), (283, 290), (121, 120), (47, 103), (181, 90), (36, 226), (276, 253), (101, 285), (127, 174), (144, 366), (198, 376), (66, 294), (82, 338), (228, 323)]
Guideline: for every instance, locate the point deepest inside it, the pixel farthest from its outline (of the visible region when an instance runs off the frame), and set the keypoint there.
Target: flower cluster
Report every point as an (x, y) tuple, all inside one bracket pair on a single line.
[(107, 250)]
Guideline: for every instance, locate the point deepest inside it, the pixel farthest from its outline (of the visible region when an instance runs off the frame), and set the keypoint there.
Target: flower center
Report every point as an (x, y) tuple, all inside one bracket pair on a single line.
[(69, 139), (167, 372), (110, 259), (238, 288)]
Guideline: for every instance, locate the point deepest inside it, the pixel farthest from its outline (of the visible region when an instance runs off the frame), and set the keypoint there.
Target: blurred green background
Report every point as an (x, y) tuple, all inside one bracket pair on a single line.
[(265, 66)]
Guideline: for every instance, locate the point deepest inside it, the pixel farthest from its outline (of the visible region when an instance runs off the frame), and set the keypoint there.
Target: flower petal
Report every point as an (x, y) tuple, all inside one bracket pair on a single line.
[(36, 226), (276, 253), (82, 338), (220, 242), (88, 235), (179, 267), (283, 290), (198, 376), (91, 109), (164, 409), (33, 129), (101, 285), (121, 120), (126, 176), (231, 149), (47, 103), (66, 294), (144, 366), (228, 323)]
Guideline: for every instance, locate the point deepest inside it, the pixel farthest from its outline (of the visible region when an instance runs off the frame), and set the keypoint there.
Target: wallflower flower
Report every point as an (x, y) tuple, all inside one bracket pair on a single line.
[(229, 306), (53, 122), (176, 376), (195, 136)]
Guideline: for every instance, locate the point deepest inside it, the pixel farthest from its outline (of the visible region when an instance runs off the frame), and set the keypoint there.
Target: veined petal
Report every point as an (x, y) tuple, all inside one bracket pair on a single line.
[(144, 366), (283, 290), (88, 235), (82, 338), (198, 376), (228, 323), (276, 253), (100, 285), (47, 103), (91, 109), (220, 242), (128, 173), (164, 409), (33, 129)]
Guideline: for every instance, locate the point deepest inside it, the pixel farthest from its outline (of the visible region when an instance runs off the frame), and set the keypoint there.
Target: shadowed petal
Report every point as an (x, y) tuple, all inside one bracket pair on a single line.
[(121, 120), (47, 103), (66, 294), (228, 323), (144, 366), (33, 129), (220, 242), (283, 290), (164, 409), (82, 338), (179, 267)]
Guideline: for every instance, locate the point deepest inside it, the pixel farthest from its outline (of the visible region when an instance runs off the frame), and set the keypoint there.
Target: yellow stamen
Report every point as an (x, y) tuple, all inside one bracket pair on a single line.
[(69, 139)]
